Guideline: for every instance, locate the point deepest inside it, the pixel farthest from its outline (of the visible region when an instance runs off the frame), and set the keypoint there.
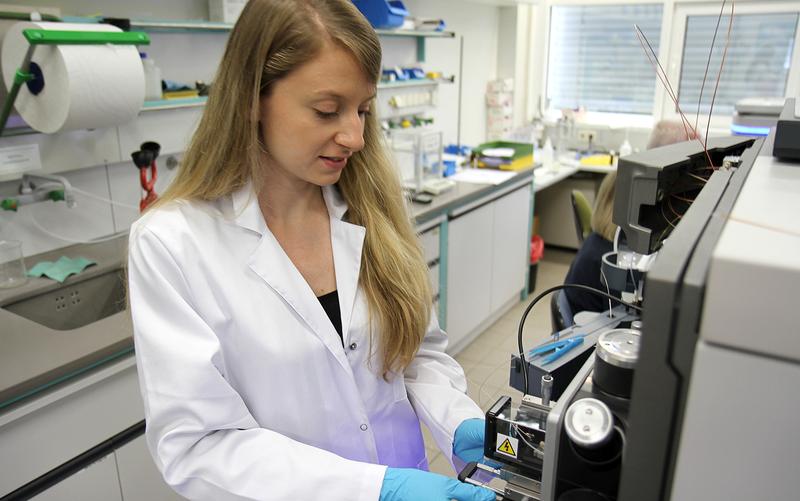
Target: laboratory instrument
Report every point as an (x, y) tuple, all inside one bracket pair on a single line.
[(669, 403)]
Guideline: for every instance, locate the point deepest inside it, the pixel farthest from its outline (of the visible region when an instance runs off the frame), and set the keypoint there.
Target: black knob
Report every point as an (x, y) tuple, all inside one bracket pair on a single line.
[(143, 158), (151, 146)]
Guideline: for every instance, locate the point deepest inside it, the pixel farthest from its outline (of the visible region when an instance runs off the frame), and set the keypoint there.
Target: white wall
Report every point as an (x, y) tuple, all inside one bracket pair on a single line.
[(477, 24), (47, 225), (190, 56)]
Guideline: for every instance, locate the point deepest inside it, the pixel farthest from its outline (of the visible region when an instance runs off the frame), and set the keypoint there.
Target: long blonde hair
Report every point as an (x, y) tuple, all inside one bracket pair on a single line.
[(275, 37), (604, 208)]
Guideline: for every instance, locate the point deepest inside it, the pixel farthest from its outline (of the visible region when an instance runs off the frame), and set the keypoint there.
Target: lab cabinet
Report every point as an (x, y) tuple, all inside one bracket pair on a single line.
[(511, 222), (52, 429), (97, 482), (469, 277), (486, 263)]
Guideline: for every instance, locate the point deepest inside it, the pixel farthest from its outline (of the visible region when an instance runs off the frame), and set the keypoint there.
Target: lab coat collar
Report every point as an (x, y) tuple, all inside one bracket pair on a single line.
[(272, 264), (247, 213)]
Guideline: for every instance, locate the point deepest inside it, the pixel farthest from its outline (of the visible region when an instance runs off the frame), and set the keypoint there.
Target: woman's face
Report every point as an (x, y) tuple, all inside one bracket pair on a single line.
[(312, 121)]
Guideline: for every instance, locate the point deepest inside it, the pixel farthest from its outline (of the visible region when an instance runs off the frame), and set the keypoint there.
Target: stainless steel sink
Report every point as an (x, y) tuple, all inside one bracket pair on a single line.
[(76, 304)]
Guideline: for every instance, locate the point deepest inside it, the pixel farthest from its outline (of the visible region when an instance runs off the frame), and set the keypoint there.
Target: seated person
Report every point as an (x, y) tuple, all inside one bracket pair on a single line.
[(585, 268)]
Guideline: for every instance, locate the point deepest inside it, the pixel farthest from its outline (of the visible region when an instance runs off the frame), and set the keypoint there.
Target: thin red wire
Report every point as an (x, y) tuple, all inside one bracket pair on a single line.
[(721, 66), (708, 63), (665, 81)]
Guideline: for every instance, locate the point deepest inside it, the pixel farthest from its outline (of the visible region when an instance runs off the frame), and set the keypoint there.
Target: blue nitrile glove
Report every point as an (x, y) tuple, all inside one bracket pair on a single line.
[(468, 440), (408, 484)]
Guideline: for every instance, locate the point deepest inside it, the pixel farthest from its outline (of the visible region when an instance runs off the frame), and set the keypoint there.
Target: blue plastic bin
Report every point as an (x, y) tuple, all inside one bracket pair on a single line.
[(382, 13)]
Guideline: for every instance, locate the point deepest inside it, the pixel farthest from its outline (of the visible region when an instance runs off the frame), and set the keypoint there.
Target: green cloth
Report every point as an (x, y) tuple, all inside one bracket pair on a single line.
[(61, 269)]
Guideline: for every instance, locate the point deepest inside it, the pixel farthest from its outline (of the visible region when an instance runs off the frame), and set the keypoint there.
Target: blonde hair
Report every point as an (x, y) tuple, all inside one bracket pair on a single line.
[(604, 208), (270, 39)]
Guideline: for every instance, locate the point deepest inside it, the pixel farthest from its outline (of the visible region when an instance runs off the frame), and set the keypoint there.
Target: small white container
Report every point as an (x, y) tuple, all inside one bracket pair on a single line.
[(152, 79)]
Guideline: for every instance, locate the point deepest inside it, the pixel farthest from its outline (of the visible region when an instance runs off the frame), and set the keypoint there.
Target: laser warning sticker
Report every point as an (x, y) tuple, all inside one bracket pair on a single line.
[(507, 445)]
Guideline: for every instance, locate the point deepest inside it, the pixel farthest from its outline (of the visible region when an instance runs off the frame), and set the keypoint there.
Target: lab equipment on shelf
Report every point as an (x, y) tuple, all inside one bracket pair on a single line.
[(152, 78), (418, 153)]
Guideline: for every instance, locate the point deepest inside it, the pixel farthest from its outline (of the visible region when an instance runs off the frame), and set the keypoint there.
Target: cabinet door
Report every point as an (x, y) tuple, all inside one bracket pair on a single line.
[(98, 482), (509, 264), (139, 478), (469, 272)]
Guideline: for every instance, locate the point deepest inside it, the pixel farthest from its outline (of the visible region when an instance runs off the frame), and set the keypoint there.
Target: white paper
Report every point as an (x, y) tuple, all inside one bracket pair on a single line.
[(498, 152), (482, 176), (19, 159), (85, 86)]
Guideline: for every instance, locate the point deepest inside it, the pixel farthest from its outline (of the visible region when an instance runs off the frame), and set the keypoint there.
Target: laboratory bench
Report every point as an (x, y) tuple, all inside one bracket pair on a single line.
[(68, 393), (554, 186)]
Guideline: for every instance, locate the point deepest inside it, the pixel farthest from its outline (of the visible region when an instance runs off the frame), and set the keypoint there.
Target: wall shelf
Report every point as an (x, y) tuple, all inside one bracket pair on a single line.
[(415, 33), (180, 26), (414, 83), (163, 25), (171, 104)]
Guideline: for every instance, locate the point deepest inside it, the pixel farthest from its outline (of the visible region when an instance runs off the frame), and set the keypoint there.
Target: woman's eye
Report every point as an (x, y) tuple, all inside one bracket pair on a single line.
[(326, 114), (363, 112)]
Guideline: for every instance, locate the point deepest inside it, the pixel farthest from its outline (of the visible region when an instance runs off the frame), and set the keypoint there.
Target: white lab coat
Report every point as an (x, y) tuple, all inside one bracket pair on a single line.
[(248, 391)]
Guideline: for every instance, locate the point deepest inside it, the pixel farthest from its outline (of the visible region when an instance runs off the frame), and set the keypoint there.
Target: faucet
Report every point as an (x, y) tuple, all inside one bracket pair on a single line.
[(39, 187)]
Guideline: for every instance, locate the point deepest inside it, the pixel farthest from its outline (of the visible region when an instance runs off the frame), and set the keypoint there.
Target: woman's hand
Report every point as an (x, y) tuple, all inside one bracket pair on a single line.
[(408, 484), (468, 440)]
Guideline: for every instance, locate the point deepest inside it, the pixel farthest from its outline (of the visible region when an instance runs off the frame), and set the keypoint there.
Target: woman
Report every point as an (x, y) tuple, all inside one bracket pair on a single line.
[(282, 315), (585, 268)]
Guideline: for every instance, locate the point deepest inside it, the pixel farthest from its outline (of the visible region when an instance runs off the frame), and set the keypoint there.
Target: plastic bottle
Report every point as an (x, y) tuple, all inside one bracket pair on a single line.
[(152, 79), (626, 148), (548, 154)]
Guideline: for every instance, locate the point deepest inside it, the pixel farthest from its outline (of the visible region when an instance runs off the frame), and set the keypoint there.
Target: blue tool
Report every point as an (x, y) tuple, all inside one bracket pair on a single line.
[(559, 349)]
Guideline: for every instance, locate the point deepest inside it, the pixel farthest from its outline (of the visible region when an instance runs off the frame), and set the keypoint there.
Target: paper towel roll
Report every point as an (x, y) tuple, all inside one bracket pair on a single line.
[(85, 86)]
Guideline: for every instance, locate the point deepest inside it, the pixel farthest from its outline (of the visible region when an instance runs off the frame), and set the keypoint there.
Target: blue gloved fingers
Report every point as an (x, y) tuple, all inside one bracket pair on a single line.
[(408, 484), (471, 454), (468, 440), (465, 492)]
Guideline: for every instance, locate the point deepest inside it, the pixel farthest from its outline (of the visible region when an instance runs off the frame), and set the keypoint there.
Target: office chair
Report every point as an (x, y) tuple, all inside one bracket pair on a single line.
[(582, 212), (560, 312)]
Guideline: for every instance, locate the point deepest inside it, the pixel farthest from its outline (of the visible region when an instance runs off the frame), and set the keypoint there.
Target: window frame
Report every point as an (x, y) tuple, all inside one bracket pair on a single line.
[(596, 117), (722, 122), (673, 31)]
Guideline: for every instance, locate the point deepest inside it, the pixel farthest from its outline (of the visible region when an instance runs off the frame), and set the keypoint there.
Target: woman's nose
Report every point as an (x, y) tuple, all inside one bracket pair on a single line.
[(351, 135)]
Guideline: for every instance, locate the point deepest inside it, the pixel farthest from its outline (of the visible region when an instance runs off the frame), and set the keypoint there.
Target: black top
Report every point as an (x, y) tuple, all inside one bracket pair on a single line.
[(585, 270), (330, 303)]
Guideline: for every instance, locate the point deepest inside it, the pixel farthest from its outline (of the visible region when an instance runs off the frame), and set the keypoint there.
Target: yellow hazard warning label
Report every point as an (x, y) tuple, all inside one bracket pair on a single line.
[(507, 445)]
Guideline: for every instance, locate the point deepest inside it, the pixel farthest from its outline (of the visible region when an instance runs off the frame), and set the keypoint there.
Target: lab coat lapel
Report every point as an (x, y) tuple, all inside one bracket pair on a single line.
[(347, 240), (270, 262)]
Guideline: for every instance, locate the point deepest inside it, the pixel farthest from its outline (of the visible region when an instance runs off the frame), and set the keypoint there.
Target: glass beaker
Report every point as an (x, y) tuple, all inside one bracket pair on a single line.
[(12, 264)]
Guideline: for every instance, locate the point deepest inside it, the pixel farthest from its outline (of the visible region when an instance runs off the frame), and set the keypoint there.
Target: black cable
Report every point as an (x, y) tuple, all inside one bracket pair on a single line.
[(537, 299)]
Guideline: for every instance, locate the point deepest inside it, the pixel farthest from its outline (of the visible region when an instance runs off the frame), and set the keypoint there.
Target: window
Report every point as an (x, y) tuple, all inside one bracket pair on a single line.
[(595, 60), (757, 63)]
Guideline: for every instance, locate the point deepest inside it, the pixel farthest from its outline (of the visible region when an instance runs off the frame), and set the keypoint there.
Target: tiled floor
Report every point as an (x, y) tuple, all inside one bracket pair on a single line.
[(486, 360)]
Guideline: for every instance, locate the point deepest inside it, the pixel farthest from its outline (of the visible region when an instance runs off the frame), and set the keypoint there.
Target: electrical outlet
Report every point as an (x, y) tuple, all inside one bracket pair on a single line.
[(586, 135)]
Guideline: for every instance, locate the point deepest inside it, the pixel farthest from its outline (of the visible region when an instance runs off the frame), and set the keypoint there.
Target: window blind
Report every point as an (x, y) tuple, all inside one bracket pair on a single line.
[(756, 65), (596, 61)]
